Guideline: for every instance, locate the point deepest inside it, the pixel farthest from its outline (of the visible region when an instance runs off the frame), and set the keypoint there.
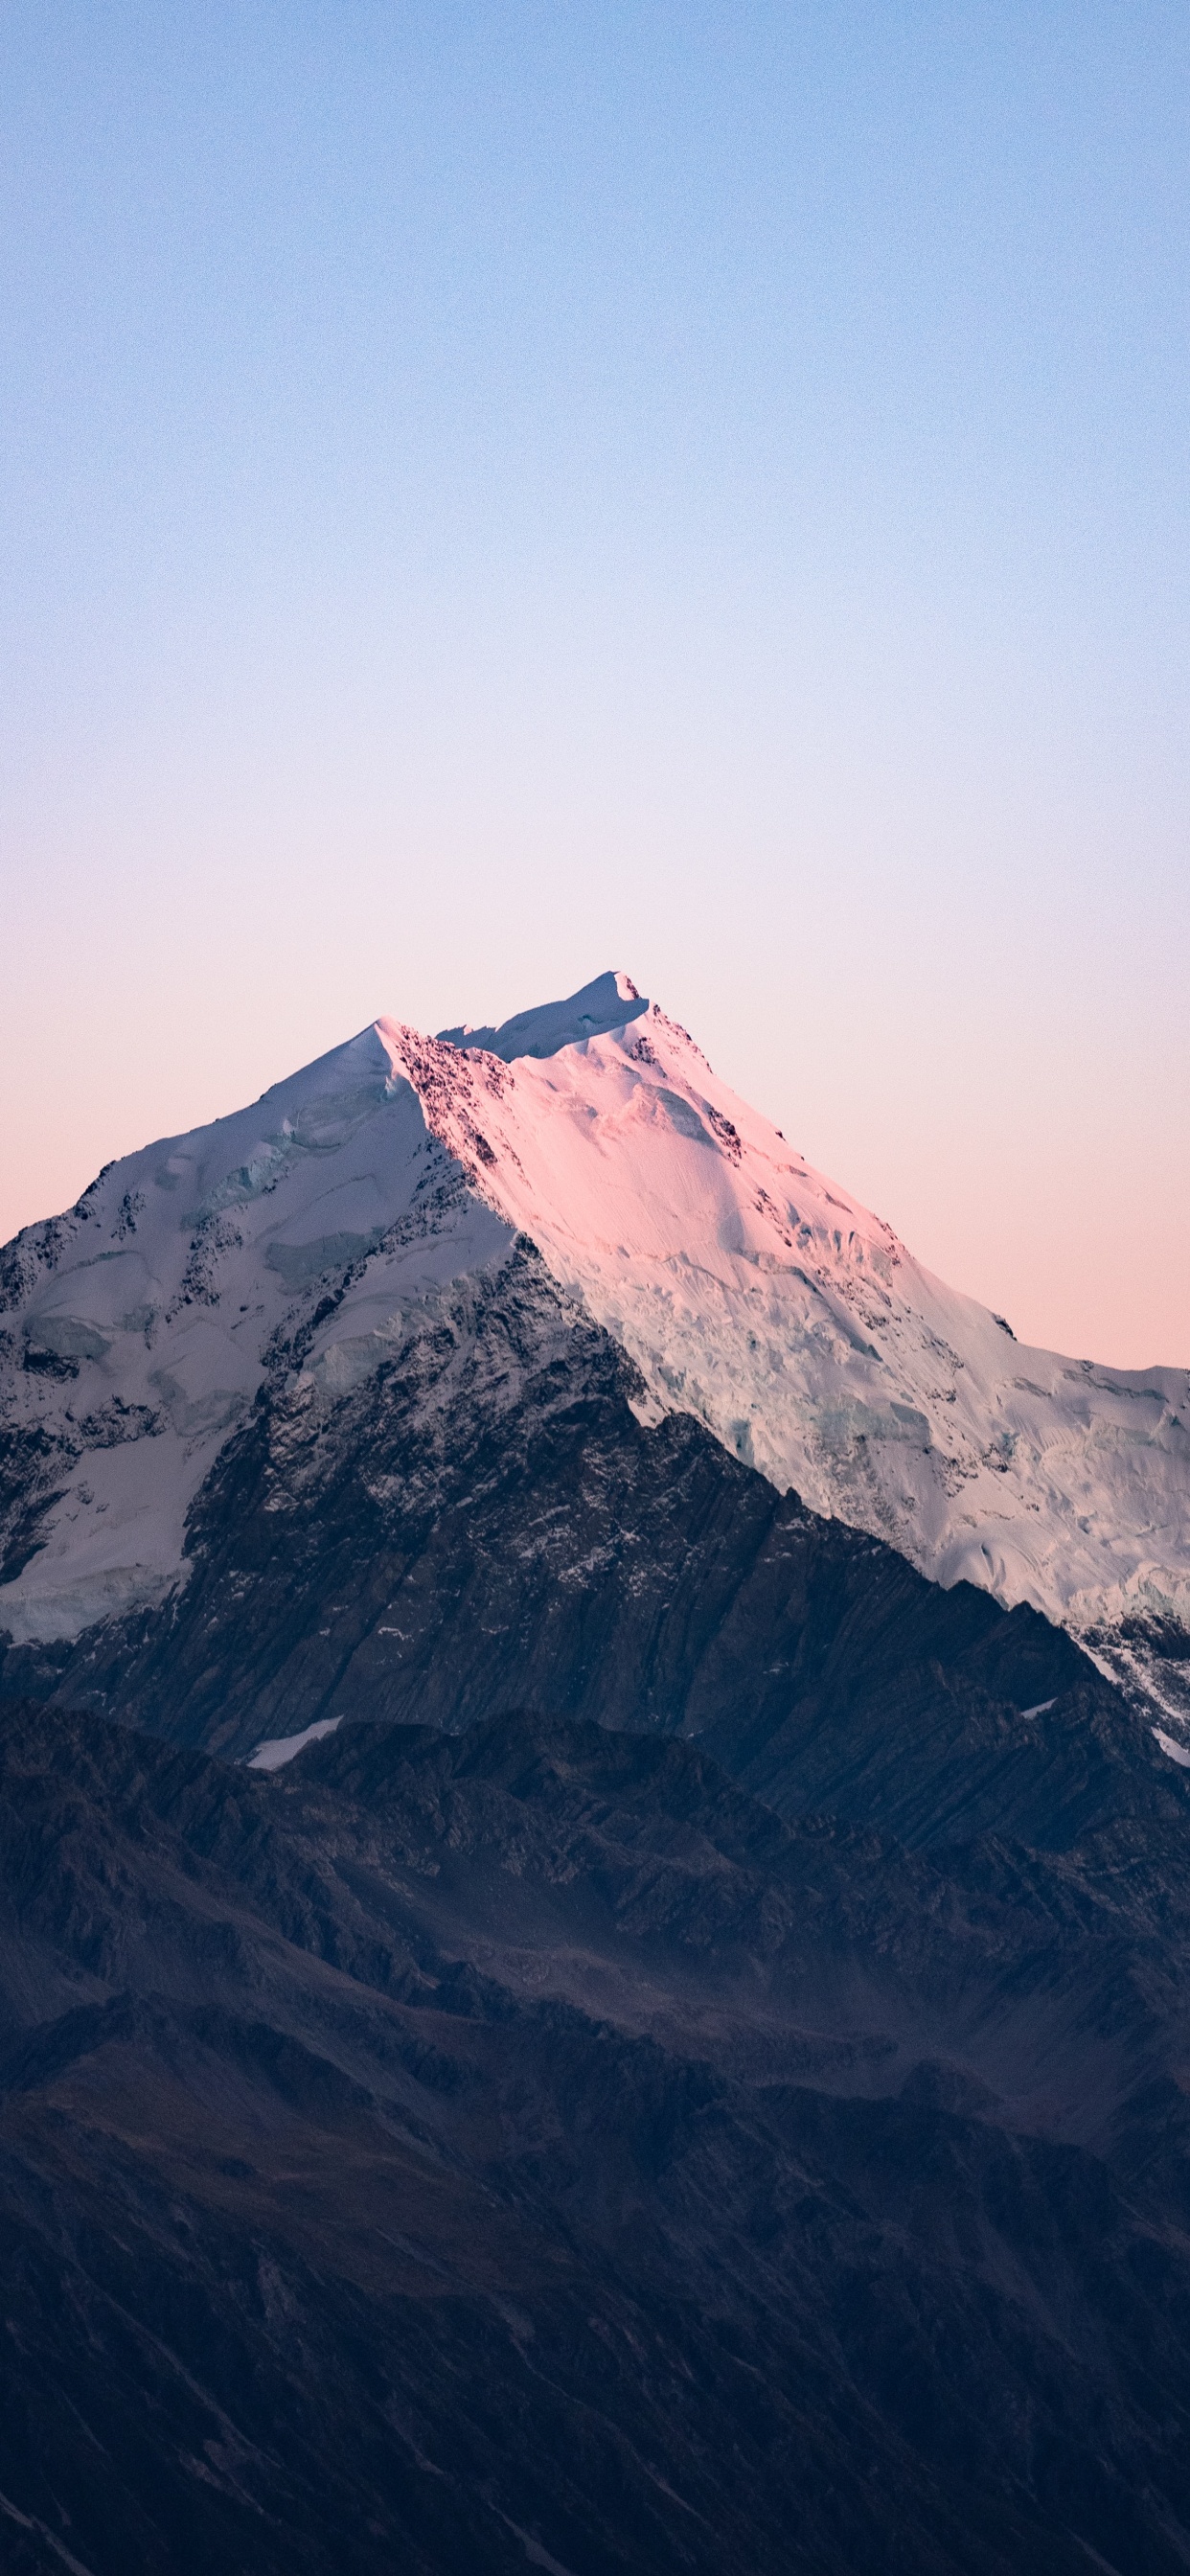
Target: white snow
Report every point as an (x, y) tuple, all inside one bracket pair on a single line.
[(1177, 1752), (277, 1750), (751, 1291)]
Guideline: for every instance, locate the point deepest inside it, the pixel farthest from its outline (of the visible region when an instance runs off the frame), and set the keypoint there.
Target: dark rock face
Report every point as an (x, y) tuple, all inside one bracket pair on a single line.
[(482, 1524), (520, 2147)]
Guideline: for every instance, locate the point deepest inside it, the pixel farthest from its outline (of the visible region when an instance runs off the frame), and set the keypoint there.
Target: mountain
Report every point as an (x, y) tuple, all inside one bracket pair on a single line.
[(414, 1230), (594, 1926)]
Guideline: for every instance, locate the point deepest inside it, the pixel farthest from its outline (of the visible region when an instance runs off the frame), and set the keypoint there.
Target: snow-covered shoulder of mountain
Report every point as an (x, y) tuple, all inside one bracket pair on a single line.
[(749, 1290)]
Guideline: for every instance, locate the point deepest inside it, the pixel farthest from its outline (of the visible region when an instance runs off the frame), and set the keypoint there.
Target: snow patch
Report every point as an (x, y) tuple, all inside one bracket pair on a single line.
[(50, 1613), (277, 1750)]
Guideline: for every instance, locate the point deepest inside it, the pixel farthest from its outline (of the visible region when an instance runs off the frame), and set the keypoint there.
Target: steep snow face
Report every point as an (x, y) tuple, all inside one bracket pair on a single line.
[(759, 1296), (750, 1292)]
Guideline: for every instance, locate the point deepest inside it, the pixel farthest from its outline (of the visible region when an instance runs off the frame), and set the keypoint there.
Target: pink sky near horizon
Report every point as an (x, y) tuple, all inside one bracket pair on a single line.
[(489, 495), (1061, 1226)]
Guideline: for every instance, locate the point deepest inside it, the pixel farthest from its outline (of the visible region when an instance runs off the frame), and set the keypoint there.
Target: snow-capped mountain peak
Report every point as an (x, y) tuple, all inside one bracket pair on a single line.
[(748, 1289)]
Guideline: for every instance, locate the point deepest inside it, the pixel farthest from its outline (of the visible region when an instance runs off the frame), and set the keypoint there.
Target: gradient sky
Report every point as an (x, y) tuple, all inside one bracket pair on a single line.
[(491, 493)]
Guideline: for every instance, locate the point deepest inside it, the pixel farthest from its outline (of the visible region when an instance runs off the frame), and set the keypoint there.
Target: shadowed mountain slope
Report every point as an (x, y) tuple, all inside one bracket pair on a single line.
[(519, 2147)]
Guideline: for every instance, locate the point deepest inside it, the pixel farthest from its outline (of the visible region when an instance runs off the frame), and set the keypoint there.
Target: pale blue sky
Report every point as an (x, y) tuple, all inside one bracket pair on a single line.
[(494, 493)]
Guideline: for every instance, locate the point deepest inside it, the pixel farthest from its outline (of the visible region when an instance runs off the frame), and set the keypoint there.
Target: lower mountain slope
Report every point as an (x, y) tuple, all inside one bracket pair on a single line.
[(519, 2147)]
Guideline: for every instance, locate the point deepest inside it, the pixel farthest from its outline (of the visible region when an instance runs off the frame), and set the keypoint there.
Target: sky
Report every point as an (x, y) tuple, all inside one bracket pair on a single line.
[(489, 493)]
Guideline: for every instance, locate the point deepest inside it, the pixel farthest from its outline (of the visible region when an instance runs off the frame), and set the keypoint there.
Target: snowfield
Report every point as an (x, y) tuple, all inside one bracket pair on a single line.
[(749, 1290)]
